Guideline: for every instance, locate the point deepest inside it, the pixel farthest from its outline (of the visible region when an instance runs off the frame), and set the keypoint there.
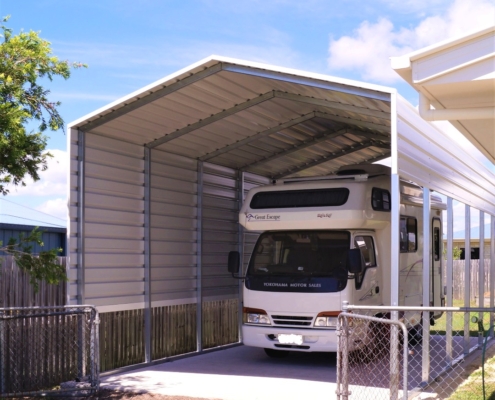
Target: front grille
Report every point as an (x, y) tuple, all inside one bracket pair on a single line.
[(289, 320)]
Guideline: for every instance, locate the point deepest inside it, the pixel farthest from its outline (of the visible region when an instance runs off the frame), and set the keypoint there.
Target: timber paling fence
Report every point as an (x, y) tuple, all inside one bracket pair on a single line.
[(459, 281)]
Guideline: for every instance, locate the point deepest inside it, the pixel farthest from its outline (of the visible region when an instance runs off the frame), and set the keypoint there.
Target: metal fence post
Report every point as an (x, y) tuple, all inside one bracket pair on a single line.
[(467, 276), (199, 259), (426, 285), (2, 354), (481, 275), (450, 273)]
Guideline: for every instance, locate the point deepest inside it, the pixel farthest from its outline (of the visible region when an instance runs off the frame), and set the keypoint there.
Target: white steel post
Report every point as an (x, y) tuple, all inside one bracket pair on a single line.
[(450, 267), (492, 275), (467, 275), (147, 256), (426, 285), (240, 238), (394, 249), (199, 260), (481, 272)]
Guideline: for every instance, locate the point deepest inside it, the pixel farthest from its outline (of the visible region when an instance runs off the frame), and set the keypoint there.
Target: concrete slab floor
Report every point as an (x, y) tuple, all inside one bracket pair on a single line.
[(238, 373)]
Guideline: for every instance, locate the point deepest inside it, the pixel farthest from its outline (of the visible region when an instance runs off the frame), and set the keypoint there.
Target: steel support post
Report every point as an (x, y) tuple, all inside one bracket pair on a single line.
[(467, 275), (147, 257), (426, 285), (240, 240), (492, 275), (450, 268), (81, 278), (199, 260), (481, 274), (394, 246)]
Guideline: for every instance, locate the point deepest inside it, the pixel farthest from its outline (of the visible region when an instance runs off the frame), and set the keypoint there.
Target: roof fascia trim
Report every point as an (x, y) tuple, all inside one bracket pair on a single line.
[(307, 81)]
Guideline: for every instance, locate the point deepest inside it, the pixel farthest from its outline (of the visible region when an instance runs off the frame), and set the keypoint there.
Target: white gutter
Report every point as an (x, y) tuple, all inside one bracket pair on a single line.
[(453, 113)]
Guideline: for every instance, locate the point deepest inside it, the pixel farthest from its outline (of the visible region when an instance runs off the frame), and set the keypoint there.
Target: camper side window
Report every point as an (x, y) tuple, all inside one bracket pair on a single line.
[(380, 199), (408, 234), (366, 246)]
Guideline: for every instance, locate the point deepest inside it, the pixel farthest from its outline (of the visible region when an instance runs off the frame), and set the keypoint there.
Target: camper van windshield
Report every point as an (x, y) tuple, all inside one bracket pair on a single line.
[(299, 261)]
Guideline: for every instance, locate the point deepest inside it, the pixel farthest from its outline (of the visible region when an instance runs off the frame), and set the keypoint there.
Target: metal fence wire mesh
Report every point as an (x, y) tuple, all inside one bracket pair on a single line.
[(48, 351), (383, 358)]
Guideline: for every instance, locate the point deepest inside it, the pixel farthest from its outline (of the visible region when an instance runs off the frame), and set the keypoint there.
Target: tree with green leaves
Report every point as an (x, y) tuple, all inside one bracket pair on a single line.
[(27, 62)]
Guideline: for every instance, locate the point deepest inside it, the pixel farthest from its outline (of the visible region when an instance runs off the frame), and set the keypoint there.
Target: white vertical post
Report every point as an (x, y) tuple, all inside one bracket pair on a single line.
[(467, 275), (199, 260), (394, 249), (81, 155), (492, 275), (481, 273), (450, 267), (240, 238), (426, 285), (147, 256)]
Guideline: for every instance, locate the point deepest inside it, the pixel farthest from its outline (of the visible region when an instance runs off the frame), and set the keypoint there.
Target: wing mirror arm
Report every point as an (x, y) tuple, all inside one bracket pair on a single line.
[(234, 264)]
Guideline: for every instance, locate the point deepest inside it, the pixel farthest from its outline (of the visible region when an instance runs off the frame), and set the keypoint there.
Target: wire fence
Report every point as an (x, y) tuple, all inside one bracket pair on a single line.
[(394, 354), (49, 351)]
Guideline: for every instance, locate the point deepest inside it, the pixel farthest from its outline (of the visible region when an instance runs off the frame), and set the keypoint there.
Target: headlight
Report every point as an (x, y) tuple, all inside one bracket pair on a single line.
[(255, 316), (326, 322)]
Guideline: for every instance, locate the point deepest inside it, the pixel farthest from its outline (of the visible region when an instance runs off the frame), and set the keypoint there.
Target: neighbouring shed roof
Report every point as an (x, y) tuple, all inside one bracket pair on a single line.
[(274, 122), (458, 75)]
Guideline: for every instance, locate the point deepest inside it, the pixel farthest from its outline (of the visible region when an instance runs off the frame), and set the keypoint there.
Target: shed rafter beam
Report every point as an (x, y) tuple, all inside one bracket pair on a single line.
[(258, 136), (354, 122), (343, 152), (307, 143), (147, 97), (322, 138), (211, 119), (332, 104)]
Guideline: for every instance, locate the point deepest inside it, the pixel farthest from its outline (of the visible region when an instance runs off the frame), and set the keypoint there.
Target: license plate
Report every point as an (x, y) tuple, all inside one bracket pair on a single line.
[(290, 339)]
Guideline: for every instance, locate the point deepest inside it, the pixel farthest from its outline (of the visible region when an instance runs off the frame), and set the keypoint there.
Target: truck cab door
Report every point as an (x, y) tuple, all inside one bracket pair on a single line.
[(367, 288)]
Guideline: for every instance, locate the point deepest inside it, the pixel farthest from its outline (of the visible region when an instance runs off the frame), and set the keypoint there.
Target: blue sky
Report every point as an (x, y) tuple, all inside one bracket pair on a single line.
[(129, 44)]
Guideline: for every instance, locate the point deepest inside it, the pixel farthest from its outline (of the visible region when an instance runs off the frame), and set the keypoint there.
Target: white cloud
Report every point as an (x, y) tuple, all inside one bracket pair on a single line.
[(56, 208), (368, 50), (53, 181)]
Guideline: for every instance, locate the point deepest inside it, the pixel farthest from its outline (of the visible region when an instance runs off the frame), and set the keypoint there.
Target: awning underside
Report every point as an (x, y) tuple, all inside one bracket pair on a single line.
[(272, 124)]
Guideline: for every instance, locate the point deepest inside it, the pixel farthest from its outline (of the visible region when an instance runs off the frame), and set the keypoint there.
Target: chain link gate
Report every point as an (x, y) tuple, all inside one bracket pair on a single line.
[(49, 351), (371, 360), (379, 358)]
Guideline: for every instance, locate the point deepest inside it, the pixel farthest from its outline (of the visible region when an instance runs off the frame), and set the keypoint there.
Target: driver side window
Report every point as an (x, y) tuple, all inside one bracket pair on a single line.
[(366, 246)]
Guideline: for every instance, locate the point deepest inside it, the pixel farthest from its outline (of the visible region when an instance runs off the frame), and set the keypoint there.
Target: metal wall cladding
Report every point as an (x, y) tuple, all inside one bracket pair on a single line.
[(220, 230), (431, 158), (113, 222), (173, 228)]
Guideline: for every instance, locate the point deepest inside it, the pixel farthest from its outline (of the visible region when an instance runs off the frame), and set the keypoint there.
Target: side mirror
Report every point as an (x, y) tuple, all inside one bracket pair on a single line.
[(234, 262), (355, 262)]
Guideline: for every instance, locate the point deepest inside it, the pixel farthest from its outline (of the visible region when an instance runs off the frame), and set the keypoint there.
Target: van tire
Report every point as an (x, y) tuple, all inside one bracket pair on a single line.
[(276, 353)]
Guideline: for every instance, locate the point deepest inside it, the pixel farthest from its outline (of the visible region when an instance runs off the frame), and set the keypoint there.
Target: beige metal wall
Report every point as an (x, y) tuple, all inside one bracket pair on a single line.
[(113, 222), (173, 224)]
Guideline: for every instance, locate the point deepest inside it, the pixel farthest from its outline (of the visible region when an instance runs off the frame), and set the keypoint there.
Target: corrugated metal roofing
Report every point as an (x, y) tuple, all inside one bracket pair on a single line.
[(272, 122)]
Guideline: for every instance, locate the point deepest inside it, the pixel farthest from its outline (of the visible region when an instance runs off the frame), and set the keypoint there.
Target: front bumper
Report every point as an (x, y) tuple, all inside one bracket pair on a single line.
[(324, 340)]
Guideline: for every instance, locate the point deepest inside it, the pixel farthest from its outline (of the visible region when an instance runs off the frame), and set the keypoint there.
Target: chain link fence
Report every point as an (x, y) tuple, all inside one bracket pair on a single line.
[(392, 354), (49, 351)]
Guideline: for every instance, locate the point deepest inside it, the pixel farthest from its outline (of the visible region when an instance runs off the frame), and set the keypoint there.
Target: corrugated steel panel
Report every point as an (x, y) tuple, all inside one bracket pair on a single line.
[(173, 230), (113, 229)]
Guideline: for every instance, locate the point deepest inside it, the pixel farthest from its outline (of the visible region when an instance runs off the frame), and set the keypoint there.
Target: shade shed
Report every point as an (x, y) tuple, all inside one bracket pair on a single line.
[(157, 177)]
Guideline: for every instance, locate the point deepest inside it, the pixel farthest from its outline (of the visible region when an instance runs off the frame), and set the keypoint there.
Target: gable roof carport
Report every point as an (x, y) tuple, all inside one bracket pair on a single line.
[(256, 120)]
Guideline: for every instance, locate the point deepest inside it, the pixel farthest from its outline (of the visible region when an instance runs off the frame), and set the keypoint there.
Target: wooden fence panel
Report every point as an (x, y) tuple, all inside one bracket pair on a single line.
[(220, 323), (459, 279), (16, 291)]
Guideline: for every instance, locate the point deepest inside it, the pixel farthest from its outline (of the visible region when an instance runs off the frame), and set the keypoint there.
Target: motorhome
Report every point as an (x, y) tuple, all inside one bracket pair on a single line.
[(326, 240)]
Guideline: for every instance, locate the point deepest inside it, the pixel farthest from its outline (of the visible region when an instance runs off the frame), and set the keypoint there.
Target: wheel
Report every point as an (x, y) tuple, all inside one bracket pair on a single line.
[(415, 335), (276, 353)]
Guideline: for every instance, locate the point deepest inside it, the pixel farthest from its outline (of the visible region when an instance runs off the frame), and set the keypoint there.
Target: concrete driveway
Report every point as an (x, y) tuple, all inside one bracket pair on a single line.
[(236, 373)]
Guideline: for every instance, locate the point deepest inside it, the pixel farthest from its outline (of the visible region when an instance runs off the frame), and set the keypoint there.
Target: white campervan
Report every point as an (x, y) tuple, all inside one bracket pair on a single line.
[(326, 240)]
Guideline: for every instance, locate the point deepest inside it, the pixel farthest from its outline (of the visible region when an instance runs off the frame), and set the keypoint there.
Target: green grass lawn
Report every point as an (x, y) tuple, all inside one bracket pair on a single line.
[(458, 322), (472, 388)]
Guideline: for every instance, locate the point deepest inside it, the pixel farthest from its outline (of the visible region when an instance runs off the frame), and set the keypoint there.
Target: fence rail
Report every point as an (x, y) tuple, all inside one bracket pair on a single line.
[(48, 351)]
